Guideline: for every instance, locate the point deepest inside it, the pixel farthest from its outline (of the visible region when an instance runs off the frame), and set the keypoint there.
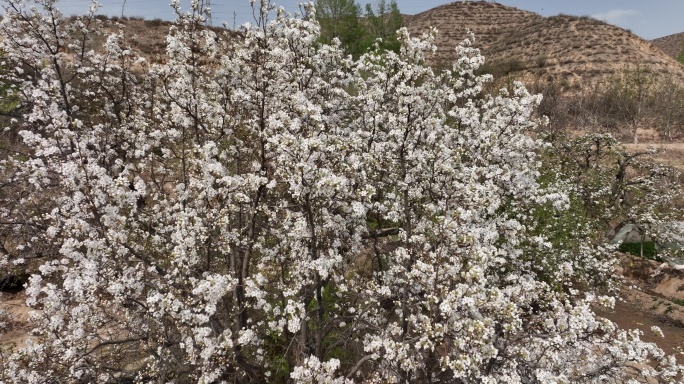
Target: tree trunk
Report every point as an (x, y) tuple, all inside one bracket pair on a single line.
[(636, 137)]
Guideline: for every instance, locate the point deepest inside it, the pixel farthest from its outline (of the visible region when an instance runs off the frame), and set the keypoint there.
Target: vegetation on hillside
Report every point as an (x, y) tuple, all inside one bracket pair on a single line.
[(342, 20)]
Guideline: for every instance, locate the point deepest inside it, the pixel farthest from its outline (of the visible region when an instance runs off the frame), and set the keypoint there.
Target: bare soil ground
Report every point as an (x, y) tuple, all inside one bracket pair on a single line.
[(670, 154), (652, 295), (563, 49), (16, 330), (629, 315)]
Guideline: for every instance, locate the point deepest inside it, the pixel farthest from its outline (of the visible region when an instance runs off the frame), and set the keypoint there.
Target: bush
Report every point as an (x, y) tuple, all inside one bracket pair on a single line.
[(503, 68), (155, 22), (649, 248)]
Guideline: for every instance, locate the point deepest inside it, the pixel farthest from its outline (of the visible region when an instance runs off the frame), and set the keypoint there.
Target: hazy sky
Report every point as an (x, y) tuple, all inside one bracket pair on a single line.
[(648, 19)]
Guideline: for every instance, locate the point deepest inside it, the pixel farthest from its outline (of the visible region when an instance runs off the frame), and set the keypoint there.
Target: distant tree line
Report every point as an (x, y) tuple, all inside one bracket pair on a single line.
[(359, 30)]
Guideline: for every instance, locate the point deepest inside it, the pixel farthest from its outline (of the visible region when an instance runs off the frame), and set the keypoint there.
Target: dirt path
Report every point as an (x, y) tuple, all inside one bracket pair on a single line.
[(630, 315), (15, 330), (670, 154)]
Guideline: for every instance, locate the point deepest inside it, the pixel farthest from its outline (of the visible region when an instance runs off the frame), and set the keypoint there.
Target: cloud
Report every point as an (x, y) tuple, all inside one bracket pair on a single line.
[(616, 16)]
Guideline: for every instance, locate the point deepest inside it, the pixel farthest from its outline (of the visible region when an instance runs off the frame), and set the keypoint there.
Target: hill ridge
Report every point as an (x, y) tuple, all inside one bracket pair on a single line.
[(672, 44), (568, 49)]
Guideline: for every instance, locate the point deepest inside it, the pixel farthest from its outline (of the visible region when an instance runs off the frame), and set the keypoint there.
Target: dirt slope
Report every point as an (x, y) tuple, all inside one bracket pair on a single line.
[(579, 50), (488, 21), (671, 44), (573, 50)]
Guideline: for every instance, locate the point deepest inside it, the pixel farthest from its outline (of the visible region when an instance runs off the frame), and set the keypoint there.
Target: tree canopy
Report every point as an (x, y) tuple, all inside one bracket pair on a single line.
[(342, 19), (263, 207)]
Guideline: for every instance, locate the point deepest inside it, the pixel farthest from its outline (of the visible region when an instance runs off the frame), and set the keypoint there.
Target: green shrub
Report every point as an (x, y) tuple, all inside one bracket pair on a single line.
[(680, 57), (650, 251), (679, 302)]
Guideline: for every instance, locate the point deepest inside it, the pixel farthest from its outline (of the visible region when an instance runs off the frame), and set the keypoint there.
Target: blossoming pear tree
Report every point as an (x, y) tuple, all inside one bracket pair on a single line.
[(261, 207)]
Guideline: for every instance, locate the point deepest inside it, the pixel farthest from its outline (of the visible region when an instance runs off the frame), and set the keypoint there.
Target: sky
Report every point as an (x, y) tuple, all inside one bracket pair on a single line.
[(649, 19)]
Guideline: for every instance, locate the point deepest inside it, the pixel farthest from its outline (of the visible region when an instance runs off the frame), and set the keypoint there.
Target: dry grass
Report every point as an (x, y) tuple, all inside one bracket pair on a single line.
[(488, 21), (671, 44), (146, 38), (576, 51)]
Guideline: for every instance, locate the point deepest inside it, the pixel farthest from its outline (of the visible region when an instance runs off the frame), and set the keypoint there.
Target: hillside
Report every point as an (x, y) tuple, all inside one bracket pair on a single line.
[(145, 36), (569, 49), (565, 49), (579, 50), (671, 44), (488, 21)]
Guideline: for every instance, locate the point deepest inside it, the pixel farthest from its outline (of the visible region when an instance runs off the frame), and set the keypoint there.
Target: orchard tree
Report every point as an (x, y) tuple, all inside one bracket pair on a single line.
[(611, 187), (669, 107), (630, 97), (263, 207)]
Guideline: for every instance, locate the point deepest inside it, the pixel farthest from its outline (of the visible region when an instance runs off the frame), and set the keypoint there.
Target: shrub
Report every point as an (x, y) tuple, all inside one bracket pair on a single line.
[(156, 22), (649, 249)]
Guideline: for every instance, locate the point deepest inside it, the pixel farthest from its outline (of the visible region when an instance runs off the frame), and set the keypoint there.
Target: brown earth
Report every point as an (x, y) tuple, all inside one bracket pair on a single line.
[(490, 22), (671, 44), (669, 153), (577, 51), (15, 330), (652, 295), (146, 38)]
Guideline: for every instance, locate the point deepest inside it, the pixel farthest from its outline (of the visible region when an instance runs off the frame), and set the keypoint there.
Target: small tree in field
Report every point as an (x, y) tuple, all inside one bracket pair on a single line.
[(267, 209), (669, 106), (613, 187), (630, 96)]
